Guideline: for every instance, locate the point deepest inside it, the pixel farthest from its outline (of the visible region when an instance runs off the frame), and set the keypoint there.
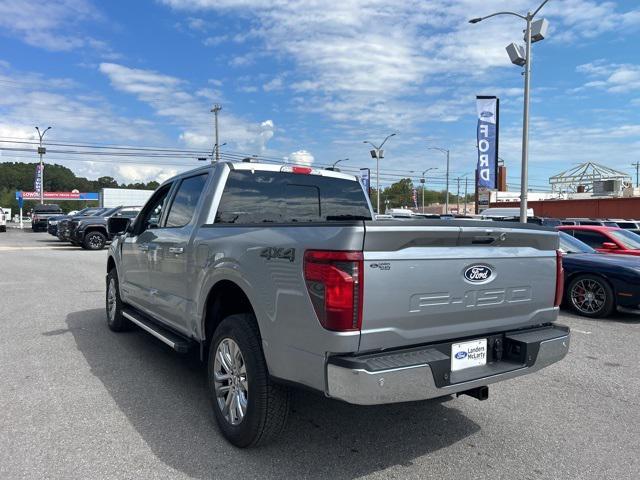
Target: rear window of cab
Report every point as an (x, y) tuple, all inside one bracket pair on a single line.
[(260, 197)]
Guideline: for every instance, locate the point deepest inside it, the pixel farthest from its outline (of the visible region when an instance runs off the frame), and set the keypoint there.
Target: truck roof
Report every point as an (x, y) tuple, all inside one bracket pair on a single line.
[(270, 167)]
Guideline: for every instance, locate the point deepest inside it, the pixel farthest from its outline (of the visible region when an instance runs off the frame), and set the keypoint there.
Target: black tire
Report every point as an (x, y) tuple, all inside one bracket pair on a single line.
[(115, 320), (267, 403), (94, 241), (3, 229), (590, 296)]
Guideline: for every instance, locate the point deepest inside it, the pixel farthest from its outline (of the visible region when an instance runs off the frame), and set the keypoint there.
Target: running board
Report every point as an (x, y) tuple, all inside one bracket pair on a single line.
[(178, 343)]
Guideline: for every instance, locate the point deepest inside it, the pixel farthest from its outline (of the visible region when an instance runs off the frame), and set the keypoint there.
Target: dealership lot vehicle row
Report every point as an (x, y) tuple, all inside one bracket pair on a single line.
[(79, 401)]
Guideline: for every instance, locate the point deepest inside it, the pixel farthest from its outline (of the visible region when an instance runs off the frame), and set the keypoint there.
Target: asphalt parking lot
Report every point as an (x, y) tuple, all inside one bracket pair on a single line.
[(78, 401)]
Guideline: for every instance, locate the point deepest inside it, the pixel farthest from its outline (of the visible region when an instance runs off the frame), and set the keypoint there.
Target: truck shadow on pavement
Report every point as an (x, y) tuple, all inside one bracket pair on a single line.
[(164, 397)]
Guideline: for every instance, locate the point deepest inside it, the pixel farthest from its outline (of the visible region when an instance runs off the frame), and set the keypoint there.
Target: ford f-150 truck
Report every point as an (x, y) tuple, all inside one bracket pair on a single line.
[(280, 277)]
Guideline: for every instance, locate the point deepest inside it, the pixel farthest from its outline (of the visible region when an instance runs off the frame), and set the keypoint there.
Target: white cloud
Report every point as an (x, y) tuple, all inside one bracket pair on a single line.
[(52, 26), (300, 157), (613, 77), (170, 98), (356, 57), (274, 84), (28, 99), (138, 173), (215, 41)]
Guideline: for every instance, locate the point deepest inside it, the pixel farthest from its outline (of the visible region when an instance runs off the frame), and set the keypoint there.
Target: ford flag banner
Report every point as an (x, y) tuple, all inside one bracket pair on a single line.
[(37, 181), (488, 124), (365, 175)]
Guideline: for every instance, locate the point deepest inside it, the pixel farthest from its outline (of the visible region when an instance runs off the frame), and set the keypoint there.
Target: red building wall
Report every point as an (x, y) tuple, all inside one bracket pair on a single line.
[(592, 208)]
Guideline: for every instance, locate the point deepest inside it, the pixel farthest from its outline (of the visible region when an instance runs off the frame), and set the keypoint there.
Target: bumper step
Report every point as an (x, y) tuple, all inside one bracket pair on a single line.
[(424, 372)]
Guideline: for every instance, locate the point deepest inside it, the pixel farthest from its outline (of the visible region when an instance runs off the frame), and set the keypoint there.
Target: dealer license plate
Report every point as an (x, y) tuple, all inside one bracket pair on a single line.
[(468, 354)]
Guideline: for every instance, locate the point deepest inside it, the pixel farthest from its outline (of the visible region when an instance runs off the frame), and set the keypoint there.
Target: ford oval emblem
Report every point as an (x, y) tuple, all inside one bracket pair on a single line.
[(478, 273), (461, 355), (486, 114)]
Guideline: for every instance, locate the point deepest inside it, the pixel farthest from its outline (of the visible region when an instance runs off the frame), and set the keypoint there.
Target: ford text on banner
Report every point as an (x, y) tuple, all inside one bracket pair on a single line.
[(488, 125), (37, 180)]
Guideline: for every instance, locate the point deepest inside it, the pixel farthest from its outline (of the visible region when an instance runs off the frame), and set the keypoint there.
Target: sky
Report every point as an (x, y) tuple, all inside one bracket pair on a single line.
[(309, 81)]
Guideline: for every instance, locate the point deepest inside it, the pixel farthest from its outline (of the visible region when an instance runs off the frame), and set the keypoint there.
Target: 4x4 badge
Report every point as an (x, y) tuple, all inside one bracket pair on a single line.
[(274, 252)]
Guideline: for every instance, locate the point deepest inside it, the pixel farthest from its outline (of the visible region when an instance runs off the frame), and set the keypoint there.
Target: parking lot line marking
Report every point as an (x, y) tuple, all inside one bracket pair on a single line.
[(580, 331), (9, 249)]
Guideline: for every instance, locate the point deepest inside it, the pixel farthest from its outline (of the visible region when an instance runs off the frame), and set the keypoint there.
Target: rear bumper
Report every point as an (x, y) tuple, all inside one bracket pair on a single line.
[(424, 372)]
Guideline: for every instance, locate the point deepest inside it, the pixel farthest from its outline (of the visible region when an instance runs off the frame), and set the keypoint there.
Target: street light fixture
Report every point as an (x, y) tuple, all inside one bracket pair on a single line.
[(378, 153), (446, 152), (534, 32), (423, 181), (41, 151), (216, 148), (333, 167), (214, 153)]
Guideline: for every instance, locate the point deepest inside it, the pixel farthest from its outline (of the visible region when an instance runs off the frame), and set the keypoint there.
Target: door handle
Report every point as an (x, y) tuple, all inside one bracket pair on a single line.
[(143, 247), (176, 250)]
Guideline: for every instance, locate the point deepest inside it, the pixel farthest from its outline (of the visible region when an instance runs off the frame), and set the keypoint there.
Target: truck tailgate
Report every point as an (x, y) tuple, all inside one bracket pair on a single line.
[(429, 282)]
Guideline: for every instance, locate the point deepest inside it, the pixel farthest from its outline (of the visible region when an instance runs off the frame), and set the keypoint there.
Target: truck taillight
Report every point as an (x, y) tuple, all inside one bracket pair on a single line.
[(334, 281), (559, 279)]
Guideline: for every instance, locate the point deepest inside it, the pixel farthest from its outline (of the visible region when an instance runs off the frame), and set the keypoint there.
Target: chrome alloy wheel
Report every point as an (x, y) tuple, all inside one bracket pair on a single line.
[(112, 304), (588, 296), (230, 381)]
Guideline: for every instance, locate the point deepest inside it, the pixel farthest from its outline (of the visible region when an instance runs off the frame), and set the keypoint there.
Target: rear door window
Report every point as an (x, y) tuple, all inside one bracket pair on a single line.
[(185, 201), (278, 197)]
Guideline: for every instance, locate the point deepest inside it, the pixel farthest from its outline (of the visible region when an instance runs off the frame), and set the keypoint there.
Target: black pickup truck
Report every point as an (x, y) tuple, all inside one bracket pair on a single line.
[(91, 232), (41, 214), (54, 222)]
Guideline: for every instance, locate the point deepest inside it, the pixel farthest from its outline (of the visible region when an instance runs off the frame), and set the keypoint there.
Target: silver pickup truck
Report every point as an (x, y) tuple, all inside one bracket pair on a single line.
[(280, 277)]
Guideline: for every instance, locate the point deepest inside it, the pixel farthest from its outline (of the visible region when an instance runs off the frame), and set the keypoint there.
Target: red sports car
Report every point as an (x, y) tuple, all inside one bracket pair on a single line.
[(606, 239)]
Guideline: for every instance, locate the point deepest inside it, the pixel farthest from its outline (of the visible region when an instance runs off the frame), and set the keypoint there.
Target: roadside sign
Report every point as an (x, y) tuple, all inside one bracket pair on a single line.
[(484, 199), (75, 195)]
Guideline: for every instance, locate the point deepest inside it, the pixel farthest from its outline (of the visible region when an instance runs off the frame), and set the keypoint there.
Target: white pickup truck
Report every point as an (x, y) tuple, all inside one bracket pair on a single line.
[(280, 277)]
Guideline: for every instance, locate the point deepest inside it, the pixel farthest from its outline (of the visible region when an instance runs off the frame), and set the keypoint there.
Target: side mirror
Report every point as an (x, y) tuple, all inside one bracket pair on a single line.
[(609, 246), (118, 225)]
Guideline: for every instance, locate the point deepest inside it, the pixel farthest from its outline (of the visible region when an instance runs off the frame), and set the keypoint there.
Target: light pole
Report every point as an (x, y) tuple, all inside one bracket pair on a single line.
[(423, 181), (333, 167), (378, 153), (42, 151), (216, 148), (446, 152), (465, 192), (534, 32)]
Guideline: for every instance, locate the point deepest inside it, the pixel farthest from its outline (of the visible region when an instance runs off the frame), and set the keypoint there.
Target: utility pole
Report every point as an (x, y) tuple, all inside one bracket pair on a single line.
[(423, 181), (466, 183), (378, 154), (41, 152), (637, 165), (216, 148), (458, 194)]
